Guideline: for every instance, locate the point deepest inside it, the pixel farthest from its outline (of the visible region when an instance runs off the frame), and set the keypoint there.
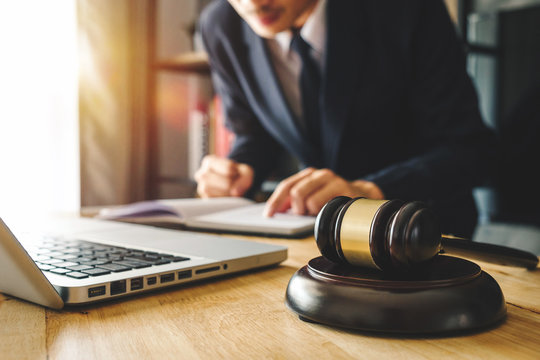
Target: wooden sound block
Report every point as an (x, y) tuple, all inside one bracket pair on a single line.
[(450, 294)]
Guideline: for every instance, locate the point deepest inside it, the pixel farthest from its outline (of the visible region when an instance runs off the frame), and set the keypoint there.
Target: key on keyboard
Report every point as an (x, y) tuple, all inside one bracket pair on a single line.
[(80, 259)]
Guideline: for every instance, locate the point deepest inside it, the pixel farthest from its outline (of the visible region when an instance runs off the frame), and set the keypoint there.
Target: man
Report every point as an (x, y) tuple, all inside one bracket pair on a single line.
[(394, 113)]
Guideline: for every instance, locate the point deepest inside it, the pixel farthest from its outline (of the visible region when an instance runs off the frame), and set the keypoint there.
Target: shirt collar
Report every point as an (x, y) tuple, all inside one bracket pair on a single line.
[(313, 31)]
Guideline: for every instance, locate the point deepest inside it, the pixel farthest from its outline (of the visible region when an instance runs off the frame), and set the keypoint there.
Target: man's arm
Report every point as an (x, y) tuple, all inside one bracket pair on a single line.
[(253, 146), (444, 117), (445, 114)]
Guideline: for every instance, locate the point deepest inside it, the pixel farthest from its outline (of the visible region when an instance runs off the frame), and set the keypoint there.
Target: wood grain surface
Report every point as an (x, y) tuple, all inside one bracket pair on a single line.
[(245, 317)]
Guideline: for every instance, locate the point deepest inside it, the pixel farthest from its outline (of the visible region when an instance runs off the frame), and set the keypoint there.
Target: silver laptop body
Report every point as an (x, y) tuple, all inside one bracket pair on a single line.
[(202, 256)]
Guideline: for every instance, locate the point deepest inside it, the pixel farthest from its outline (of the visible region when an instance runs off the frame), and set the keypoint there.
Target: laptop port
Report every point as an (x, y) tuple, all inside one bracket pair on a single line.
[(136, 283), (206, 270), (118, 287), (96, 291), (186, 274), (166, 278), (151, 280)]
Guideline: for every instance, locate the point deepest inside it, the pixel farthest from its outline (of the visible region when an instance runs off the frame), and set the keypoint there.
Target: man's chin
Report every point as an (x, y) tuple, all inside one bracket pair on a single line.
[(267, 32)]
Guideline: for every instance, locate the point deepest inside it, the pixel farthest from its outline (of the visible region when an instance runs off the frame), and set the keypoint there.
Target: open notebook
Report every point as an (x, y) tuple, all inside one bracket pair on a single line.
[(227, 214)]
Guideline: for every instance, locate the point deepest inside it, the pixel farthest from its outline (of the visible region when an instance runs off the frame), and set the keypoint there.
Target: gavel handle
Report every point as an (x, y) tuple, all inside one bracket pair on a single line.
[(491, 253)]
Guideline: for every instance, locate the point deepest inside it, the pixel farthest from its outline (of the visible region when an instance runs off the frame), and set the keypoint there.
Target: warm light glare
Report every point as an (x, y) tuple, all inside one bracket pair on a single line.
[(39, 151)]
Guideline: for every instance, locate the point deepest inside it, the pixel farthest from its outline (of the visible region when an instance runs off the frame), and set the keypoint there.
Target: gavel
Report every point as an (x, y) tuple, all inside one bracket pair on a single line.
[(397, 236)]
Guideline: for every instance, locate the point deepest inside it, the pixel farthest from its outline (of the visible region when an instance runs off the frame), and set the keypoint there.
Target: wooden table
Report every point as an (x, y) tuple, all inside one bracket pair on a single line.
[(245, 317)]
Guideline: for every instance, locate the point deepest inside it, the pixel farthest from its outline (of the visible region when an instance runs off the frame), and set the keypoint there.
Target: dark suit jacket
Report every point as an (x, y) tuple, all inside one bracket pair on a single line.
[(397, 106)]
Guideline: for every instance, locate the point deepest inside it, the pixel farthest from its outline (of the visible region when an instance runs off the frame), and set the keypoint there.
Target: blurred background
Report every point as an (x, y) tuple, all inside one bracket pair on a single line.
[(109, 102)]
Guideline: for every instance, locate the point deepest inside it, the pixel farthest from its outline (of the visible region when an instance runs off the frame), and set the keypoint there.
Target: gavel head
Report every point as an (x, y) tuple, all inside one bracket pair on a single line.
[(390, 235)]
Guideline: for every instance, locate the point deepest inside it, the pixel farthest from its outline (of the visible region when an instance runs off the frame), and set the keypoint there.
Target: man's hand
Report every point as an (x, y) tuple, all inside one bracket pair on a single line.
[(307, 191), (222, 177)]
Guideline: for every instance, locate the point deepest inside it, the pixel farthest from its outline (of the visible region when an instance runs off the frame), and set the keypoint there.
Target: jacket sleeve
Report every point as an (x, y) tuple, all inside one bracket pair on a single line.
[(444, 106), (220, 29)]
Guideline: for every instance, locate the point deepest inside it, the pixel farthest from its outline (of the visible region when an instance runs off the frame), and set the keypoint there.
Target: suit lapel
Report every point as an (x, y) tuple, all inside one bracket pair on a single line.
[(269, 100), (345, 46)]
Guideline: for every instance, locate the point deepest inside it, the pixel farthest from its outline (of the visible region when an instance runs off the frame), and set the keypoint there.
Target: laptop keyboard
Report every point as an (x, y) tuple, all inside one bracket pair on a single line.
[(80, 259)]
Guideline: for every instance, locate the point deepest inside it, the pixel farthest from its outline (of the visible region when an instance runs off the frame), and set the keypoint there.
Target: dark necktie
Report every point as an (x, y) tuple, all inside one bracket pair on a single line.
[(310, 83)]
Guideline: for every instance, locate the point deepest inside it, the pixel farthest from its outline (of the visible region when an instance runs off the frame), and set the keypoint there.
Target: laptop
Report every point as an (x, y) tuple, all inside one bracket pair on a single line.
[(76, 261)]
